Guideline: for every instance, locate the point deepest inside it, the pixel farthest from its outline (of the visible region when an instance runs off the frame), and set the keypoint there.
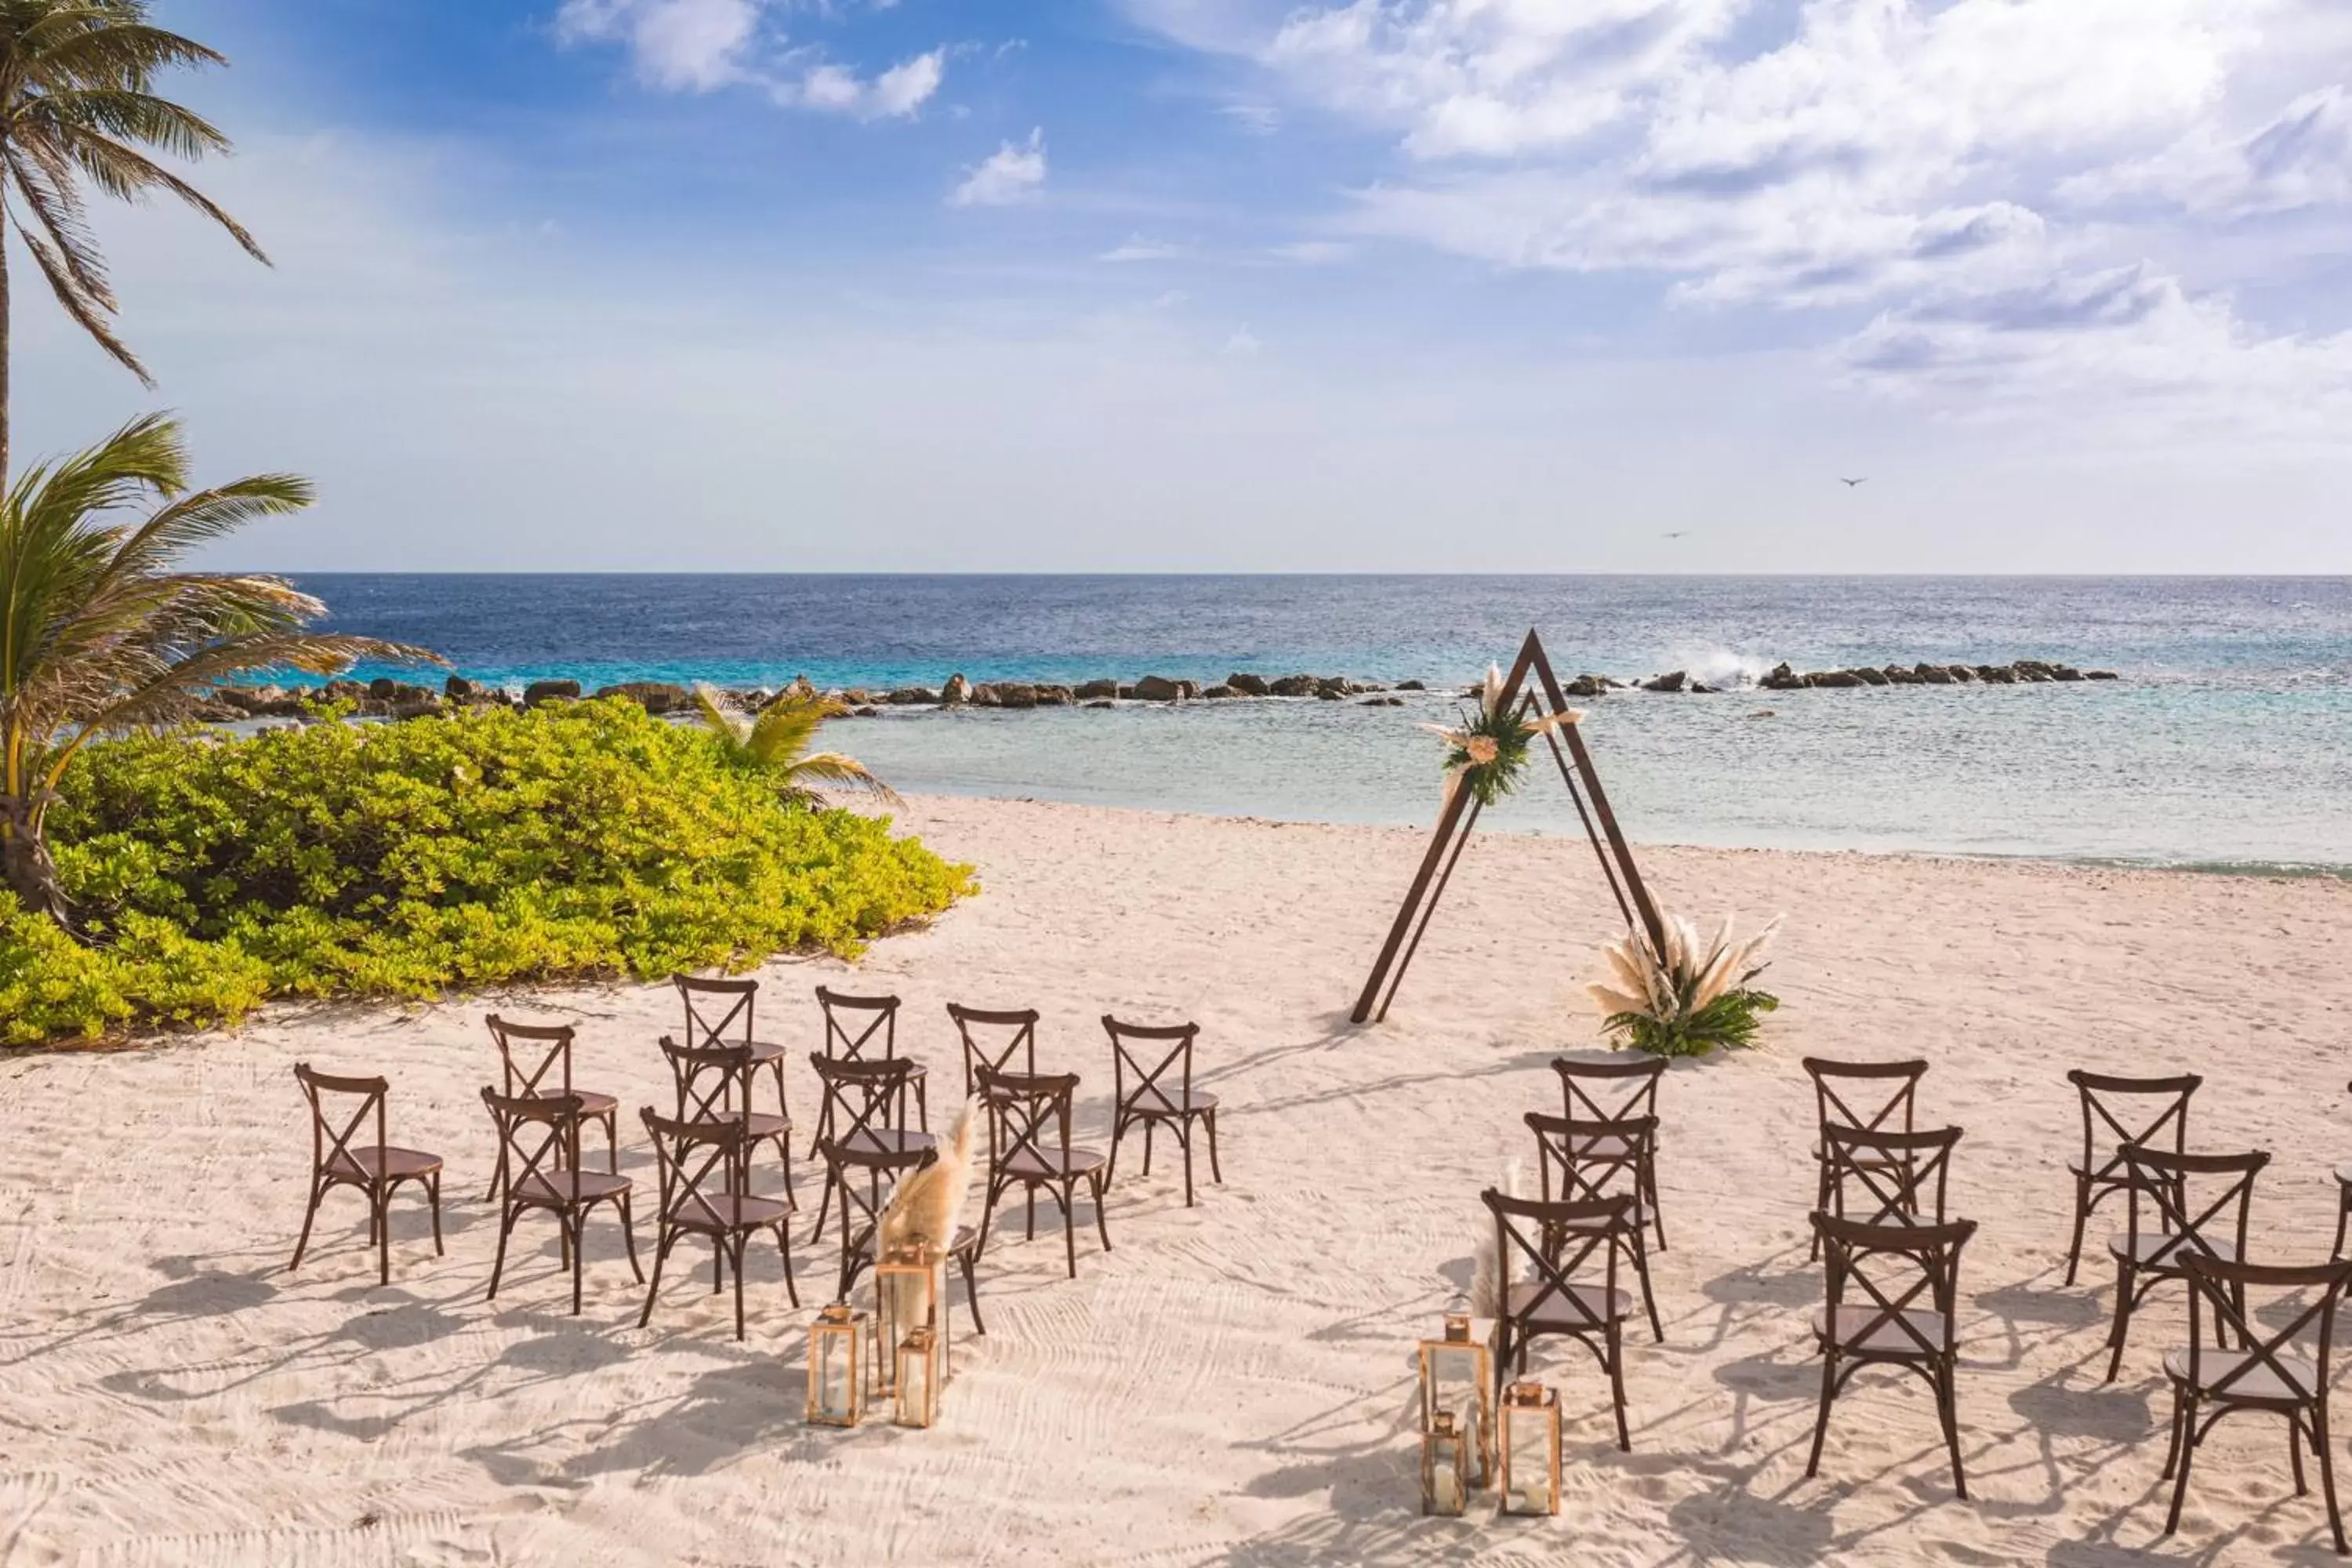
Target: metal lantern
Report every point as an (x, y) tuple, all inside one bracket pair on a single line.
[(835, 1397), (908, 1291), (918, 1380), (1455, 1375), (1445, 1465), (1531, 1449)]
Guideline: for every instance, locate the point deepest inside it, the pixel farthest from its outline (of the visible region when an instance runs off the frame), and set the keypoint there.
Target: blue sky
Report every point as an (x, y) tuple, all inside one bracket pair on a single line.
[(1261, 285)]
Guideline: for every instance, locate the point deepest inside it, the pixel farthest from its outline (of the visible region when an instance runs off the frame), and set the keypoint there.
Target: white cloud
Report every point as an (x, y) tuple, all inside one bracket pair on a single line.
[(1014, 173), (1242, 344), (1136, 247), (701, 46), (2302, 158)]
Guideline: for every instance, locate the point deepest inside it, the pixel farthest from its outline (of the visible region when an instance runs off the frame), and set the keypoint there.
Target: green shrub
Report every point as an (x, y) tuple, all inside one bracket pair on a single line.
[(408, 859)]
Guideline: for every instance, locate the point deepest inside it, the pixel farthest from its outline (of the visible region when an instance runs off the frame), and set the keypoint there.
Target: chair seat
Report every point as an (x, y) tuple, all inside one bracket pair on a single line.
[(2344, 1174), (762, 1051), (592, 1104), (558, 1187), (395, 1164), (2149, 1251), (1161, 1102), (2214, 1368), (889, 1141), (758, 1124), (1578, 1306), (726, 1212), (1889, 1337), (1052, 1162)]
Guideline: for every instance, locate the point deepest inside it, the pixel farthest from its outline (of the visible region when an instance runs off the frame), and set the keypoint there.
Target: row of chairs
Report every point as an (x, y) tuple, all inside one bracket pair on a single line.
[(704, 1151)]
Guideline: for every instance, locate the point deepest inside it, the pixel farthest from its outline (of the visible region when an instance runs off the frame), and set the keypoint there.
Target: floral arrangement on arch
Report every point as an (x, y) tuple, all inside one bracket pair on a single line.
[(1487, 751)]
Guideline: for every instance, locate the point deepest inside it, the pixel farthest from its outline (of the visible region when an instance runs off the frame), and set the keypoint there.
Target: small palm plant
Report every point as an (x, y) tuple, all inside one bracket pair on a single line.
[(778, 739), (99, 632), (1690, 1000)]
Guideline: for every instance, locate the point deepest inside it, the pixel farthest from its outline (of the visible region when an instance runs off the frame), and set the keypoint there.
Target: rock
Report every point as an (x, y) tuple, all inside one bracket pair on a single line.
[(1960, 673), (1583, 686), (1016, 694), (1765, 713), (543, 691), (1782, 679), (1332, 688), (1217, 693), (1832, 678), (1331, 694), (1701, 688), (1054, 696), (1097, 689), (382, 688), (987, 694), (858, 697), (1898, 676), (1102, 704), (1247, 685), (958, 689), (1931, 675), (909, 694), (2064, 672), (653, 696), (1671, 681), (1996, 674), (1868, 676), (1127, 694), (426, 707), (457, 689), (866, 711), (1293, 686), (2099, 675), (1159, 688), (1411, 686), (2033, 672), (1382, 702)]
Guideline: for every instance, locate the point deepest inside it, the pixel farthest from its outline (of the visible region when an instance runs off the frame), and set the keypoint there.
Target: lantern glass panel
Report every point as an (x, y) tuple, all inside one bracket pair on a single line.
[(1445, 1467), (1455, 1375), (908, 1291), (918, 1381), (1530, 1450), (834, 1393)]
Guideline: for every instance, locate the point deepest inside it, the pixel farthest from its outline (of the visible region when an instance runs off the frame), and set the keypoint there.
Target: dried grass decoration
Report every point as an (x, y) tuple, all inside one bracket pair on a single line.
[(1489, 751), (926, 1208), (1692, 1000)]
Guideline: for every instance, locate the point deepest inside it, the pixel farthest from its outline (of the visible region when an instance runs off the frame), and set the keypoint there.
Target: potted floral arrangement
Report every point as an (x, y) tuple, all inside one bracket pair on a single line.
[(1487, 751), (1690, 1000)]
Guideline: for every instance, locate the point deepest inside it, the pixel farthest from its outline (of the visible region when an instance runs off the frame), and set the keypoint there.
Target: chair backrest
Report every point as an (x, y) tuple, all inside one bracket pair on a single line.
[(2218, 1285), (2152, 1113), (1876, 1096), (995, 1038), (844, 1161), (699, 1161), (875, 1019), (708, 1079), (1888, 1178), (2196, 1202), (1615, 1090), (1135, 1073), (717, 1011), (546, 1054), (1027, 1113), (860, 1096), (1892, 1267), (331, 1139), (538, 1135), (1556, 1239), (1590, 1158)]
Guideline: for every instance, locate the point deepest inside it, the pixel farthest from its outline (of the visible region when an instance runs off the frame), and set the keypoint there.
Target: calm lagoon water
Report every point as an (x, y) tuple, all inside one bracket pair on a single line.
[(2227, 744)]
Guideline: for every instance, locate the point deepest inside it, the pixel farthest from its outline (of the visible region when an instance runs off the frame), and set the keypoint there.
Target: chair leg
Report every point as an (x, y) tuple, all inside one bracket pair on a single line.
[(1117, 1130), (662, 1244), (2188, 1454), (825, 1205), (1650, 1192), (381, 1199), (2327, 1470), (613, 1142), (1149, 1122), (1102, 1225), (578, 1233), (433, 1192), (1184, 1130), (1031, 1200), (499, 1263), (497, 1174), (1947, 1400), (971, 1293), (2123, 1319), (738, 1251), (2342, 1217), (2172, 1449), (629, 1235), (1649, 1300), (1821, 1416), (1617, 1386), (1821, 1199), (1216, 1172), (1070, 1225), (785, 1245), (2294, 1452), (2082, 1217), (310, 1213), (717, 1264)]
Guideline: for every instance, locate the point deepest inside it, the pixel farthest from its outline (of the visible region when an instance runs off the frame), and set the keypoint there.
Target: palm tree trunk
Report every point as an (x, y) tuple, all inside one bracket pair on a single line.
[(25, 862)]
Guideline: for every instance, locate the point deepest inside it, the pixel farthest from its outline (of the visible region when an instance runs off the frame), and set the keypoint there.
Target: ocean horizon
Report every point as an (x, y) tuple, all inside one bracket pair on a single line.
[(2225, 743)]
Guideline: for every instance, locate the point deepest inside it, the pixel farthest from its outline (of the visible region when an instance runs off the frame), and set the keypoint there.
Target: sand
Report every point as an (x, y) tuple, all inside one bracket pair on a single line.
[(1233, 1384)]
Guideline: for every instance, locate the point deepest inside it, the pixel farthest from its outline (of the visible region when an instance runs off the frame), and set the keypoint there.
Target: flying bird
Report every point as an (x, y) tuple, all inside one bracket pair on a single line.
[(1678, 533), (1850, 483)]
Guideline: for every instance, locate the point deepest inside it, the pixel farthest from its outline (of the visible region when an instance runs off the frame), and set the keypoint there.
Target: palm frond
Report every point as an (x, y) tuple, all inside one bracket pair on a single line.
[(832, 767)]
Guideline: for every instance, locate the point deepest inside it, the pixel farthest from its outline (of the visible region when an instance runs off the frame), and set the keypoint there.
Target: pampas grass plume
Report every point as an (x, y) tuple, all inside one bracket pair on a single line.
[(926, 1208)]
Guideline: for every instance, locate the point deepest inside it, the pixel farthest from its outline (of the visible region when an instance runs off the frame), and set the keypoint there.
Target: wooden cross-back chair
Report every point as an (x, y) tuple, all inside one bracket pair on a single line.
[(1874, 1097), (866, 1178), (1555, 1240), (536, 1058), (1158, 1092), (1586, 1162), (1029, 1144), (863, 1104), (2177, 1206), (865, 1029), (2151, 1112), (719, 1012), (1889, 1178), (706, 1178), (1906, 1278), (2269, 1370), (713, 1083), (1002, 1041), (539, 1160), (1616, 1090), (343, 1155)]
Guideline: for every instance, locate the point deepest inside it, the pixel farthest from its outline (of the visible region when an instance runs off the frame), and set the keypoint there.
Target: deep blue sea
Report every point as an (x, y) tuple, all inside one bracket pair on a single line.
[(2227, 744)]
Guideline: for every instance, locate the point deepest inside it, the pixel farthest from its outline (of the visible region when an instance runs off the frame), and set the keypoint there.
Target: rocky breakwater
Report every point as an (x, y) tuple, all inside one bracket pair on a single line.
[(2022, 672)]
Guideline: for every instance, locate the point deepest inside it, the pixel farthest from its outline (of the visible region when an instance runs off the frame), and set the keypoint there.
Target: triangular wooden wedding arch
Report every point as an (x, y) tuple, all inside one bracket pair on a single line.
[(1461, 815)]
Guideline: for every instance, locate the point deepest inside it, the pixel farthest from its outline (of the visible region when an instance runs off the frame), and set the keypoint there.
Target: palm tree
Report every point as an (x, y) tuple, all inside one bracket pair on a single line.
[(98, 632), (77, 104), (778, 740)]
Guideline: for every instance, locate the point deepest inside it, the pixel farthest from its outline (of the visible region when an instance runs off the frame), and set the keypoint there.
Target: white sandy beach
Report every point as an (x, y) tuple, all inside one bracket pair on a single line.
[(1233, 1383)]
